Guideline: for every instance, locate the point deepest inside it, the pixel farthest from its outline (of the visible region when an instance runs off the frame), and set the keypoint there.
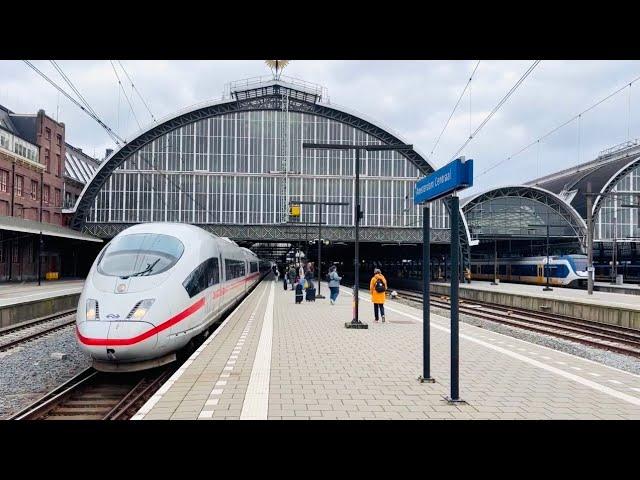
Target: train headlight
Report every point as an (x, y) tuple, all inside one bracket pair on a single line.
[(92, 310), (140, 309)]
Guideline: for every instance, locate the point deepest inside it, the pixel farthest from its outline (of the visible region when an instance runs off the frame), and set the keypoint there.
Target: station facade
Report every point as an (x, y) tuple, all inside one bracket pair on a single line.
[(234, 166)]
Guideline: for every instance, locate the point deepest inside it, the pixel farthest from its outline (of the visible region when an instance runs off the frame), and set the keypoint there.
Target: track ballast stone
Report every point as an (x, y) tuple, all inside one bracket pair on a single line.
[(28, 372)]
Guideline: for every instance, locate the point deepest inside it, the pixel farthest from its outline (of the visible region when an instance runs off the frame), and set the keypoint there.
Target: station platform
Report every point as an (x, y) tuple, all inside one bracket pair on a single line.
[(20, 302), (273, 359), (14, 293), (605, 307), (626, 288)]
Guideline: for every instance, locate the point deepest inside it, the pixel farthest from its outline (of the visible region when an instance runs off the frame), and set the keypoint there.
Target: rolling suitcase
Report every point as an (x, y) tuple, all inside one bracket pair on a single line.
[(311, 294)]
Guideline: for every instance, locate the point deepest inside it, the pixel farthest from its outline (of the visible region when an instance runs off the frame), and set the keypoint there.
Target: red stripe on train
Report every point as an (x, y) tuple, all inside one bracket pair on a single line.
[(143, 336)]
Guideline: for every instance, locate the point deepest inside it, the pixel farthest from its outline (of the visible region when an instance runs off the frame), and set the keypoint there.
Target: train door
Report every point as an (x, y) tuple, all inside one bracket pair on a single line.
[(540, 274)]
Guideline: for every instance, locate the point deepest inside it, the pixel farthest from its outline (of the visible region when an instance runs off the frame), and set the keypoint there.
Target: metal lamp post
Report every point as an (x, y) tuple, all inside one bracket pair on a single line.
[(355, 322), (548, 266)]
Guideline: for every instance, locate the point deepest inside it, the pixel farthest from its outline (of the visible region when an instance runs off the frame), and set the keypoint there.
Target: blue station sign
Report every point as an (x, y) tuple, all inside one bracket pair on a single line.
[(453, 176)]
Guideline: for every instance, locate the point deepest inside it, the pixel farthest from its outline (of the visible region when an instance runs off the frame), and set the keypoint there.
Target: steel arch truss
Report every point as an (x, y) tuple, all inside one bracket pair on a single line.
[(566, 211), (269, 102), (613, 181), (291, 233)]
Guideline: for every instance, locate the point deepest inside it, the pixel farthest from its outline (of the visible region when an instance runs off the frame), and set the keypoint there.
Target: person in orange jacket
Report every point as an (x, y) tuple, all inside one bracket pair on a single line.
[(378, 287)]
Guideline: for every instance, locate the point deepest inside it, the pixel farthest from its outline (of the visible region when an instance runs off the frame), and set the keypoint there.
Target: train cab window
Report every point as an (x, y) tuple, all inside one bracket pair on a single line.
[(206, 275), (140, 254), (233, 269)]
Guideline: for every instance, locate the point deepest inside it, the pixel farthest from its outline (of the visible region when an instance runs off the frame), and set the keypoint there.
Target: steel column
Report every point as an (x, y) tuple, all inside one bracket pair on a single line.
[(426, 305)]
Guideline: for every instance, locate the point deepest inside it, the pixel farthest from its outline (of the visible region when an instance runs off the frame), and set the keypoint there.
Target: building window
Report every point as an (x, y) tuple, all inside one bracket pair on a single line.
[(45, 194), (48, 133), (19, 185), (47, 160), (34, 190), (4, 175), (58, 165), (59, 140), (15, 252), (57, 204)]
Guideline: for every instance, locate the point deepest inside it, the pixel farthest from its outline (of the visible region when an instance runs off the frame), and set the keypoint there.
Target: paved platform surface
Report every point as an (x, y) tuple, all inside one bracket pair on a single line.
[(14, 293), (558, 293), (272, 359), (629, 286)]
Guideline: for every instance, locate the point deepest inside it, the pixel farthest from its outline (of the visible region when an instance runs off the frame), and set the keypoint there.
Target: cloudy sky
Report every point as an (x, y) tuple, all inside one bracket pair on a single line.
[(413, 98)]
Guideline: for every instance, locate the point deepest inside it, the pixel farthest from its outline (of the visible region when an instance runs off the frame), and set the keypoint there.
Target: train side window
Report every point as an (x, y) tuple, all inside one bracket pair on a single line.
[(233, 268), (205, 275), (254, 267)]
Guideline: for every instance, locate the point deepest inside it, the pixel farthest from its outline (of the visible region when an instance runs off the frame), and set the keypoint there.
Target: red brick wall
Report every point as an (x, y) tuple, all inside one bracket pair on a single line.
[(24, 201), (50, 138)]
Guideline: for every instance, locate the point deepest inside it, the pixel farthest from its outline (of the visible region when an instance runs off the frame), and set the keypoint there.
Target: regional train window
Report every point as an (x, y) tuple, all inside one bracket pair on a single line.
[(140, 254), (233, 269), (205, 275)]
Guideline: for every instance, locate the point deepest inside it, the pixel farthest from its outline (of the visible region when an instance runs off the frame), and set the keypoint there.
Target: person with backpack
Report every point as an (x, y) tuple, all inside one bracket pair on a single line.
[(378, 287), (334, 284)]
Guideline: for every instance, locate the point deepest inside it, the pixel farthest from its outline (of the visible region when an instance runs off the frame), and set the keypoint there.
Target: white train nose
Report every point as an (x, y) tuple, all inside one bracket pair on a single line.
[(117, 341)]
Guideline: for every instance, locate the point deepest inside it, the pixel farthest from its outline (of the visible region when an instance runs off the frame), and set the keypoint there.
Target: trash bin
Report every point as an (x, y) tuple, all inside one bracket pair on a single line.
[(619, 280)]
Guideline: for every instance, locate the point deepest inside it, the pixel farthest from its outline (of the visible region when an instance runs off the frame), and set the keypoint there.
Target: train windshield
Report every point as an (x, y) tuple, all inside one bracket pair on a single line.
[(140, 255)]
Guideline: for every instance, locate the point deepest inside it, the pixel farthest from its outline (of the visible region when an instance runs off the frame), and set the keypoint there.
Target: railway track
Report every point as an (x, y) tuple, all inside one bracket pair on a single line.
[(93, 395), (609, 337), (13, 336)]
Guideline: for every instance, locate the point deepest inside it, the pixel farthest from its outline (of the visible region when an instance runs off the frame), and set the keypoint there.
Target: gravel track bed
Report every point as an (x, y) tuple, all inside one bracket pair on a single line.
[(28, 372), (612, 359)]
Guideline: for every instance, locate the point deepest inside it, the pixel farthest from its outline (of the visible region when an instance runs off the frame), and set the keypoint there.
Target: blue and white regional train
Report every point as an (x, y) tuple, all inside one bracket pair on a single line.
[(564, 270), (156, 286)]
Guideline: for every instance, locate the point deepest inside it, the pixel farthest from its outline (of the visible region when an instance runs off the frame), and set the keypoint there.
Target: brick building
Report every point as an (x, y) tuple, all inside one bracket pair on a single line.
[(35, 178)]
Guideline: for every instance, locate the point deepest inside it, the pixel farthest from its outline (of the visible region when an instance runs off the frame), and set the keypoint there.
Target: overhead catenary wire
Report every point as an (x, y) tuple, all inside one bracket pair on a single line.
[(435, 145), (496, 108), (89, 111), (137, 91), (73, 87), (125, 94), (552, 131), (77, 92), (117, 139)]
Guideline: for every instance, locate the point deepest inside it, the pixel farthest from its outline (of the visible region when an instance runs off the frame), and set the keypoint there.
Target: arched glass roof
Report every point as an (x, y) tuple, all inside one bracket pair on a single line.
[(521, 212)]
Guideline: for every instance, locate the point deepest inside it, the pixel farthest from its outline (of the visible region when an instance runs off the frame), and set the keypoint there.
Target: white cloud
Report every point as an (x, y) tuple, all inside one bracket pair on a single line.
[(414, 98)]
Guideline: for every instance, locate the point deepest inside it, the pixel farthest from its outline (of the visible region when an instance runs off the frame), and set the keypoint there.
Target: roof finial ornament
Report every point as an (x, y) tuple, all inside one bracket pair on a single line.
[(276, 67)]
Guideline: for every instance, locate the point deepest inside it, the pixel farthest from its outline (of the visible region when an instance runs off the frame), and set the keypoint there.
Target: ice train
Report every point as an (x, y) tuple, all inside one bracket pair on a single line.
[(155, 287)]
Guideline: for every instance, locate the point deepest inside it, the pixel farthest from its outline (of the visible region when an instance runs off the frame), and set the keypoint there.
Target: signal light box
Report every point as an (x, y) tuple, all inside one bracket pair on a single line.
[(453, 176), (294, 210)]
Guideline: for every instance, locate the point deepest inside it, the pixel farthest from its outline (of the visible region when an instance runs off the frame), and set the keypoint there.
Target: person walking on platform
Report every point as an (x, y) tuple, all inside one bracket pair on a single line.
[(334, 284), (292, 276), (284, 276), (378, 287), (310, 288)]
